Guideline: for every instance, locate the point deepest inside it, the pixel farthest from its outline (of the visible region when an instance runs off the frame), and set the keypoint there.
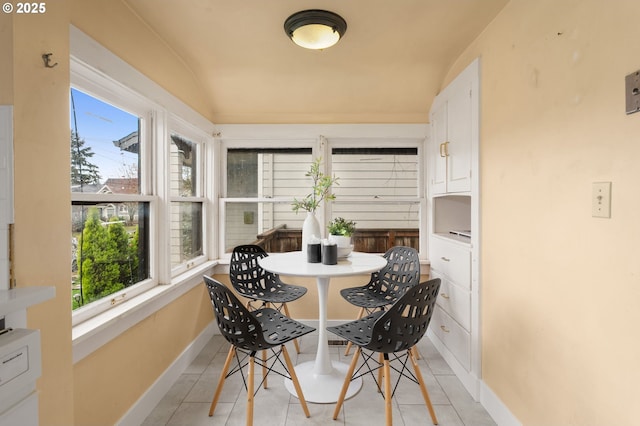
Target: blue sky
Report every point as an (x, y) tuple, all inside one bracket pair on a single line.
[(99, 124)]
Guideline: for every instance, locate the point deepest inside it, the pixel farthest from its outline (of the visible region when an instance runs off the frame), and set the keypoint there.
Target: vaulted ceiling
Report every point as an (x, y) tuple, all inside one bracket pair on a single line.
[(387, 68)]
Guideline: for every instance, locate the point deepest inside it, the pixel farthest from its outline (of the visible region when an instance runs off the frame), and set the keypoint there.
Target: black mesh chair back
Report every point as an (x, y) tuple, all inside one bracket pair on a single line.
[(402, 271), (388, 333), (385, 286), (401, 326), (249, 332), (250, 280)]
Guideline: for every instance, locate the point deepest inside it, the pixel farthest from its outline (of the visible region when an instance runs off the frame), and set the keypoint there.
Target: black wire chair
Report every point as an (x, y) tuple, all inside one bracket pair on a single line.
[(391, 334), (251, 281), (386, 285), (249, 332)]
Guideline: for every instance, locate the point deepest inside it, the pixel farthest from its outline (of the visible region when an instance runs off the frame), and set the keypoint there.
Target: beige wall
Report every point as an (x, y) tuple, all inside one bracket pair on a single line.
[(41, 149), (561, 289), (109, 381)]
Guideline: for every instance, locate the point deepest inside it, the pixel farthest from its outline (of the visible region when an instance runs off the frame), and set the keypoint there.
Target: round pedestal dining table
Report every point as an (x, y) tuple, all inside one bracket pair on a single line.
[(321, 379)]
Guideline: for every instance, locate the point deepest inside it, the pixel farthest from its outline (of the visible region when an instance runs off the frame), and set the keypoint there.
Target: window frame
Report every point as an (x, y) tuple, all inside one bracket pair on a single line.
[(184, 129), (157, 121), (97, 85), (226, 145), (322, 138)]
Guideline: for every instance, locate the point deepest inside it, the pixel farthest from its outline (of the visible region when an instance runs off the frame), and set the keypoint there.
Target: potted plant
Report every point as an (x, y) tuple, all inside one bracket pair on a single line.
[(341, 231), (320, 190)]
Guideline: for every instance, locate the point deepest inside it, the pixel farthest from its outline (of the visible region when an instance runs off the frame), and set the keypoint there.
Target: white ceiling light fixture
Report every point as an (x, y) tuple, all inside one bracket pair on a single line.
[(315, 29)]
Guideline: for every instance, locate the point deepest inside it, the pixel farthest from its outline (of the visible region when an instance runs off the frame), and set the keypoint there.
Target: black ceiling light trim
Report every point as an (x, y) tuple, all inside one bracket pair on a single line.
[(334, 28)]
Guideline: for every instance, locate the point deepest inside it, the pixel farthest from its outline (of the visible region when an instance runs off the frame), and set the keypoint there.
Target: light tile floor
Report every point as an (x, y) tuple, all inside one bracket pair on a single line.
[(187, 402)]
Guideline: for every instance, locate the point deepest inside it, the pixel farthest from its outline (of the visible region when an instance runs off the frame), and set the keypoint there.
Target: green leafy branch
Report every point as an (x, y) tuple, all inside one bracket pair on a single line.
[(320, 190)]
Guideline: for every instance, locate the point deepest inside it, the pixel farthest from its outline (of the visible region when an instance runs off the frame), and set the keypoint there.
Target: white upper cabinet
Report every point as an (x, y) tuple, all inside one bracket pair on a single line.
[(452, 123)]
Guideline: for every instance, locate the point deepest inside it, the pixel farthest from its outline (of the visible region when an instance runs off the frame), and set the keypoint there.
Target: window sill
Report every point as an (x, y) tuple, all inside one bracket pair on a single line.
[(90, 335)]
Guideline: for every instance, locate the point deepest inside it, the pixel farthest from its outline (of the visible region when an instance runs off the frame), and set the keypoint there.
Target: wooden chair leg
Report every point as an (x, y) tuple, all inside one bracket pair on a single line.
[(295, 341), (264, 369), (347, 380), (415, 352), (381, 369), (294, 379), (250, 390), (223, 375), (423, 388), (388, 403), (360, 314)]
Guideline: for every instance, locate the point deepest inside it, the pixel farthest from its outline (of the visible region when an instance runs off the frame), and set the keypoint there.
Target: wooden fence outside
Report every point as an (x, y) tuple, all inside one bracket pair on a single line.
[(282, 239)]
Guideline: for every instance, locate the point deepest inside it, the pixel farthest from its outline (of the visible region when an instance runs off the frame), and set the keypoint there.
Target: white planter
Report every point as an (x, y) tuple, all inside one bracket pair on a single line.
[(310, 228), (344, 245)]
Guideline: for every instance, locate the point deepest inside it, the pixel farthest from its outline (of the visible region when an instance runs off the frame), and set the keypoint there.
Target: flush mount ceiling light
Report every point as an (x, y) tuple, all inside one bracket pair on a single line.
[(315, 29)]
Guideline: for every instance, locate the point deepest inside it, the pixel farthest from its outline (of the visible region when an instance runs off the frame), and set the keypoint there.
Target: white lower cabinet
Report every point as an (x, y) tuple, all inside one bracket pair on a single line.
[(451, 320), (453, 336), (454, 300), (452, 327)]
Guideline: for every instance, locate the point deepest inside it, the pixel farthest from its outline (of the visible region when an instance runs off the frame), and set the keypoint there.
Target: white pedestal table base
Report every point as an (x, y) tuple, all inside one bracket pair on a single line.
[(323, 388)]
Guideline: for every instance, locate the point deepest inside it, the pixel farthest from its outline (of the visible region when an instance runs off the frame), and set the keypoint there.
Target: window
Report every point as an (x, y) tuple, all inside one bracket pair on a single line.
[(379, 190), (138, 199), (379, 187), (186, 194), (260, 186), (110, 212)]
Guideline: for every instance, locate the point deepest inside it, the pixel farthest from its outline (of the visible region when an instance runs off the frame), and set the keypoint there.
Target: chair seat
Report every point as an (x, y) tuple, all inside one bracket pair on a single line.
[(278, 328), (363, 297), (358, 331), (284, 293)]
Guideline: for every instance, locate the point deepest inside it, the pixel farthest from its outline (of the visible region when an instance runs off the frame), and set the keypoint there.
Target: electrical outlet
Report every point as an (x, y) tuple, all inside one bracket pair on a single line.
[(601, 199)]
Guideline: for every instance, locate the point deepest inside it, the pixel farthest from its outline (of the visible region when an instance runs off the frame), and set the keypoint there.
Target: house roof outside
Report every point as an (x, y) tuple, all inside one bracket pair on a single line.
[(119, 186)]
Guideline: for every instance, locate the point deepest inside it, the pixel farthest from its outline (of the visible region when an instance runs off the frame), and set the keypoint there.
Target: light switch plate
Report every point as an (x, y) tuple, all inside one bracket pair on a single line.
[(601, 199), (632, 92)]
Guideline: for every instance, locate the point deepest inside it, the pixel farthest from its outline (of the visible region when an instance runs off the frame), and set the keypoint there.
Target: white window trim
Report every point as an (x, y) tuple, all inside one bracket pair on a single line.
[(203, 140), (321, 138), (105, 67)]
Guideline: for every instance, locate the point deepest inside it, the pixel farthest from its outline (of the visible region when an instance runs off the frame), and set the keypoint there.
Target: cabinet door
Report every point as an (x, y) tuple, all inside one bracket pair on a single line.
[(438, 159), (459, 121)]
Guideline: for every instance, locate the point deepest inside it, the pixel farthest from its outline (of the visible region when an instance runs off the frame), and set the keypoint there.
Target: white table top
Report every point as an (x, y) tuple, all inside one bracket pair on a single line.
[(295, 263)]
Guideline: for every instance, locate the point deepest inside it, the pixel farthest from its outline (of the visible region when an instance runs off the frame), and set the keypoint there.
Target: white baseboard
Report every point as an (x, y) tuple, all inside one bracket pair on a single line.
[(496, 408), (148, 401), (469, 380), (476, 387)]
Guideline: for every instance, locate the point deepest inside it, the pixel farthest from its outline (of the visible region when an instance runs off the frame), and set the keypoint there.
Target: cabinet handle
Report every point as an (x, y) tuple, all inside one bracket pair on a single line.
[(444, 296), (445, 329), (444, 149), (445, 259)]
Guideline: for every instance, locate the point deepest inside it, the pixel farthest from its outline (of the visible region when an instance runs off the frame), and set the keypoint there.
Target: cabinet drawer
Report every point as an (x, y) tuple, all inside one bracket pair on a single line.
[(455, 301), (451, 260), (455, 338)]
